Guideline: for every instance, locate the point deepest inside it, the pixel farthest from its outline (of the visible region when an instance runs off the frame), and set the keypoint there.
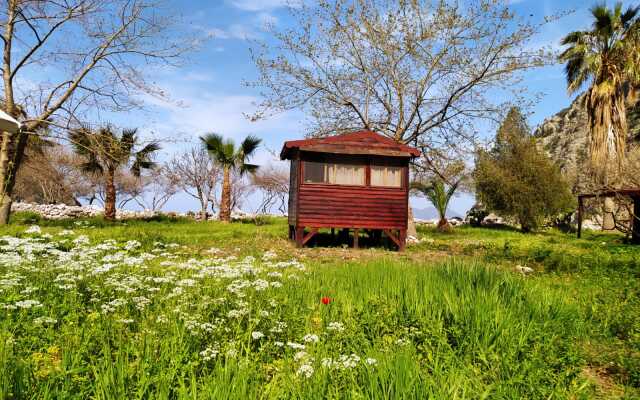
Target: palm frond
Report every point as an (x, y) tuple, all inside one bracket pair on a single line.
[(603, 23), (248, 168), (629, 15), (80, 140), (249, 145), (573, 38), (92, 166), (218, 148), (142, 158), (128, 140)]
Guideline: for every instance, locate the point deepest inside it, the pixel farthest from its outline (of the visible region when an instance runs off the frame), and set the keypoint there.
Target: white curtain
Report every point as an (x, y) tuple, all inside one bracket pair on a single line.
[(386, 176), (338, 174), (344, 174)]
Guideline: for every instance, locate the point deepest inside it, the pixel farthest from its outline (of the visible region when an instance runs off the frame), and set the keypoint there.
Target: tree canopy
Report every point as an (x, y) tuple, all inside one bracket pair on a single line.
[(515, 179)]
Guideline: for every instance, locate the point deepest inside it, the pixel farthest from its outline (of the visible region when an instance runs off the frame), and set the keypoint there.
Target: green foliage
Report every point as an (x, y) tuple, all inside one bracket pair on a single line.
[(104, 151), (439, 194), (612, 41), (517, 180), (224, 151), (26, 218), (477, 214)]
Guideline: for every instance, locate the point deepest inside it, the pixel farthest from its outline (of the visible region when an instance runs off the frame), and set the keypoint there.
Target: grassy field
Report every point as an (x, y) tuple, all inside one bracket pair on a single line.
[(178, 309)]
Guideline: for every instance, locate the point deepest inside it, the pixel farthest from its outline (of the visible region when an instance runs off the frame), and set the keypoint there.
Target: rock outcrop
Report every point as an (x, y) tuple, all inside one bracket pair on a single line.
[(565, 138)]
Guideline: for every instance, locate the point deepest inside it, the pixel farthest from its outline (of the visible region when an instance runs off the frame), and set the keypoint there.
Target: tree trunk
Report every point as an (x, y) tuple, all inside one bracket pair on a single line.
[(411, 225), (608, 222), (110, 198), (225, 201), (443, 225), (203, 212), (11, 153)]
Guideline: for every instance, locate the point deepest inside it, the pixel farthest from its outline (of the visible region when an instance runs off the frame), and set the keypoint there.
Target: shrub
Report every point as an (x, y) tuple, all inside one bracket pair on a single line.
[(515, 179)]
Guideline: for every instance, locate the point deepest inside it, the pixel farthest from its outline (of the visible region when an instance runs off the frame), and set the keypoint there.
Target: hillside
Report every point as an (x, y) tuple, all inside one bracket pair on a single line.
[(564, 136)]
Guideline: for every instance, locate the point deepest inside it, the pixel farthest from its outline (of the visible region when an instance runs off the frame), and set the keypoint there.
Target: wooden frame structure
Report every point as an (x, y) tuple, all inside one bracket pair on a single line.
[(634, 194), (350, 207)]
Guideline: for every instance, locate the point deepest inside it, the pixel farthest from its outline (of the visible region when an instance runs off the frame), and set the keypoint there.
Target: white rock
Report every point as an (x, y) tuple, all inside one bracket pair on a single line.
[(524, 270)]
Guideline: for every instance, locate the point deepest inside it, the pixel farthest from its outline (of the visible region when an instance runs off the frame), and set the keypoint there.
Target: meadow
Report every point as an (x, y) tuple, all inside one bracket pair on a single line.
[(178, 309)]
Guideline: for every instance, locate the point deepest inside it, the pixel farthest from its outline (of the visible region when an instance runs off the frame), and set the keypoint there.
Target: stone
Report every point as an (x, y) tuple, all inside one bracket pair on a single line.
[(524, 270)]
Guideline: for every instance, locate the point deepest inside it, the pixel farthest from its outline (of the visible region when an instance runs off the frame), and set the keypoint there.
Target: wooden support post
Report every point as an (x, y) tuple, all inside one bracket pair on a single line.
[(393, 238), (309, 235), (356, 233), (402, 239), (635, 232), (299, 235), (580, 213)]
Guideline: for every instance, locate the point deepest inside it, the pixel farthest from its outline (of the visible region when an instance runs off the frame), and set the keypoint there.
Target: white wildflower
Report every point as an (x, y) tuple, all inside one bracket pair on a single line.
[(305, 370), (28, 304), (132, 245), (256, 335), (336, 326), (44, 321), (210, 352), (33, 229), (311, 338)]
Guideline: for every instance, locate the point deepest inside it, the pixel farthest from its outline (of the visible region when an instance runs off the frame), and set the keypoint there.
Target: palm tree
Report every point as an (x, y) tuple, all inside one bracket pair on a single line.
[(224, 152), (104, 153), (439, 195), (606, 58)]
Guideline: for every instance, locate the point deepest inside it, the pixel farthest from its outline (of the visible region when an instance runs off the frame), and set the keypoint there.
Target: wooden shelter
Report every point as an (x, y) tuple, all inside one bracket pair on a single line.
[(634, 194), (355, 181)]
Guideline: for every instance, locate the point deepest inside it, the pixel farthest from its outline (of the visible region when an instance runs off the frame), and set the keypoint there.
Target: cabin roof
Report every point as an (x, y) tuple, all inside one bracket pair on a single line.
[(360, 142)]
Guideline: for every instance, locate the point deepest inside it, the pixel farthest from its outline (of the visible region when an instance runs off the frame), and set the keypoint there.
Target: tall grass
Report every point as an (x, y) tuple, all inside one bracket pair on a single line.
[(463, 327)]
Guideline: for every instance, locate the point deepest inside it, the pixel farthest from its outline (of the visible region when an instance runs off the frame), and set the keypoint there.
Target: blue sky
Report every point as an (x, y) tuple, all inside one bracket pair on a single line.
[(207, 93)]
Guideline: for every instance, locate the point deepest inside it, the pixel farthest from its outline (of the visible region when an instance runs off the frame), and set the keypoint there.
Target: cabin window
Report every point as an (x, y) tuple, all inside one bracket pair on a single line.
[(386, 176), (337, 174)]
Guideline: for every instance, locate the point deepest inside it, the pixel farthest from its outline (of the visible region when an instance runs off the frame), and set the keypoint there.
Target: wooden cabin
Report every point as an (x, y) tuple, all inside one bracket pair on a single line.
[(356, 181)]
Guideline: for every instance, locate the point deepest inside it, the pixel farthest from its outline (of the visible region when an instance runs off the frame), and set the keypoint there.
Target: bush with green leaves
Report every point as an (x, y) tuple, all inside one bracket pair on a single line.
[(516, 179)]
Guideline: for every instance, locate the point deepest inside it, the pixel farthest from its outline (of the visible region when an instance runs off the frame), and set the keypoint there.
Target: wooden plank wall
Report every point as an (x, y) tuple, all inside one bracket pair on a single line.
[(352, 207), (293, 189)]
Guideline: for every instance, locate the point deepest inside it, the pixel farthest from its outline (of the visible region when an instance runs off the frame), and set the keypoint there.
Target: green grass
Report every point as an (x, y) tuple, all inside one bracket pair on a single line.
[(449, 318)]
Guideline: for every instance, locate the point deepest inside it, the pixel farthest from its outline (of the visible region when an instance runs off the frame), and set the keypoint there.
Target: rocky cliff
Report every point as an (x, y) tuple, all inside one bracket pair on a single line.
[(565, 138)]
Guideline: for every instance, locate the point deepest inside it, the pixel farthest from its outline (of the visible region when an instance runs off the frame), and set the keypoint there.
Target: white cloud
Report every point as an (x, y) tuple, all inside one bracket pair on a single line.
[(262, 5), (235, 31), (195, 111)]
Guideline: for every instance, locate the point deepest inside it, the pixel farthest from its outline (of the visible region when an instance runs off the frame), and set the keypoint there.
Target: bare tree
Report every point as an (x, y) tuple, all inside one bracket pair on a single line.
[(421, 72), (196, 174), (273, 184), (158, 187), (97, 52)]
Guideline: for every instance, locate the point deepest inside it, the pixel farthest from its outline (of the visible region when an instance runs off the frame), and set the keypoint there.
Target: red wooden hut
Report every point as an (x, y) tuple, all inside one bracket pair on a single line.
[(355, 181)]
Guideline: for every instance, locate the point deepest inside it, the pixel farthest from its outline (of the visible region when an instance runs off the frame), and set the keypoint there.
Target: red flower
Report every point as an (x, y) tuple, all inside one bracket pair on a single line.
[(326, 300)]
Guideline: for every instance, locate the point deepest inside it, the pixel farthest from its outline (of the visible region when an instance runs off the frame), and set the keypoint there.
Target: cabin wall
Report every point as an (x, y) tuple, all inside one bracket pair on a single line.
[(352, 207), (345, 206), (292, 209)]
